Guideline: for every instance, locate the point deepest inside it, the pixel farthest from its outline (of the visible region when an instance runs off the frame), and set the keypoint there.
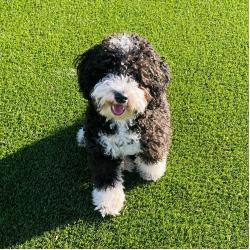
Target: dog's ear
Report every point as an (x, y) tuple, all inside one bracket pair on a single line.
[(153, 73), (165, 70), (161, 76), (89, 69), (82, 64)]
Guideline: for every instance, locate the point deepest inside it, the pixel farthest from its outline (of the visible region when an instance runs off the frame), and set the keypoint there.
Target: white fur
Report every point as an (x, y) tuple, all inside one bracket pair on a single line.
[(80, 137), (104, 91), (122, 143), (109, 201), (122, 42), (150, 172)]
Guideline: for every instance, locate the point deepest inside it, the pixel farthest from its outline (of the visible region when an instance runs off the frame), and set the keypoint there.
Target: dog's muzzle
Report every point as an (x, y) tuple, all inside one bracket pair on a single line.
[(119, 107), (120, 97)]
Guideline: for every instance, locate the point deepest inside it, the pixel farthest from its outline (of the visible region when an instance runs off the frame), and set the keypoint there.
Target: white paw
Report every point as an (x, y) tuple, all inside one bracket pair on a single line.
[(151, 172), (80, 137), (109, 201)]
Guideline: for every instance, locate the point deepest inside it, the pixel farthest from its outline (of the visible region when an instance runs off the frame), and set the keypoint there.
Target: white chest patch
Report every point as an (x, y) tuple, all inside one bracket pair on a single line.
[(122, 143)]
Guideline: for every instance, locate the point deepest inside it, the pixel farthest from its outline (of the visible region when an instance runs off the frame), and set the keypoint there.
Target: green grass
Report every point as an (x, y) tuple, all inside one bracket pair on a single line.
[(45, 189)]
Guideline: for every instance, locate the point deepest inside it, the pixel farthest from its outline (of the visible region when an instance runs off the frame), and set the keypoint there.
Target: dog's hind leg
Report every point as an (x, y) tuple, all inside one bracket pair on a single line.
[(151, 171)]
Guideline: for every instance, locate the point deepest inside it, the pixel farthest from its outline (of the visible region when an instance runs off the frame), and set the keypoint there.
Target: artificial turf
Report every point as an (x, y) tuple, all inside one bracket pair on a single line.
[(45, 188)]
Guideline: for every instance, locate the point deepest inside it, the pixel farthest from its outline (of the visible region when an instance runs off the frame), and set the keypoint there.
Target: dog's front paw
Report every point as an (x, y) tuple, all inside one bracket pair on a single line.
[(80, 137), (151, 172), (109, 201)]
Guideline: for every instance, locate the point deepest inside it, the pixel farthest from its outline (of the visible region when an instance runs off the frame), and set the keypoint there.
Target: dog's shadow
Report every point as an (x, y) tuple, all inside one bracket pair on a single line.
[(45, 185)]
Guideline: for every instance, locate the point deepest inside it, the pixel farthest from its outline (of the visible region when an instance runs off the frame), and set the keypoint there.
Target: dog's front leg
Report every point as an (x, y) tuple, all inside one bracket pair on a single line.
[(108, 195)]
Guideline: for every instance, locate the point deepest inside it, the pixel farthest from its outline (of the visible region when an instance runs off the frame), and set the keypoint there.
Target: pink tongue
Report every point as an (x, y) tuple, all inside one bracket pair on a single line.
[(117, 109)]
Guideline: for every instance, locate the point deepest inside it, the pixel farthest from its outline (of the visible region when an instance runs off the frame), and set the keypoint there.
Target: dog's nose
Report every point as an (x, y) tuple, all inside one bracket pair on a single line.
[(120, 98)]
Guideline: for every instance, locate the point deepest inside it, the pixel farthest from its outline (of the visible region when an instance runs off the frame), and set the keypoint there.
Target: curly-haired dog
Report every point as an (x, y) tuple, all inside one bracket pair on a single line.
[(127, 119)]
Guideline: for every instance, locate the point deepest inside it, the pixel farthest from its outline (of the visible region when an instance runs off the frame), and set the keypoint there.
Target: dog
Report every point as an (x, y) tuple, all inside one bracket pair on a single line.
[(127, 122)]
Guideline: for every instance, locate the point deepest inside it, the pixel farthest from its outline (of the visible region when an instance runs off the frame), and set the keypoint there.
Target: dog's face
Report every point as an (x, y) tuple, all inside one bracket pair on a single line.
[(121, 76), (119, 97)]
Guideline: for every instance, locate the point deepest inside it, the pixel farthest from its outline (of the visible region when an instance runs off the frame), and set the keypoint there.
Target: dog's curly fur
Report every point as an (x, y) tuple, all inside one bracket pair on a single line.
[(132, 56)]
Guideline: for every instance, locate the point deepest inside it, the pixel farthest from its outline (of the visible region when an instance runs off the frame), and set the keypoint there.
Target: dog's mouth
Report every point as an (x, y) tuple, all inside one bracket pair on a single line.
[(117, 109)]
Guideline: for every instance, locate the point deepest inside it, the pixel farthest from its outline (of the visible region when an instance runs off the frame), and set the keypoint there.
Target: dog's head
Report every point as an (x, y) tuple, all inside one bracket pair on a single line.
[(121, 75)]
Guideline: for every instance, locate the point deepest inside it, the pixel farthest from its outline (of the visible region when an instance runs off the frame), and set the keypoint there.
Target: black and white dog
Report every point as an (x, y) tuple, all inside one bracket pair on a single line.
[(127, 121)]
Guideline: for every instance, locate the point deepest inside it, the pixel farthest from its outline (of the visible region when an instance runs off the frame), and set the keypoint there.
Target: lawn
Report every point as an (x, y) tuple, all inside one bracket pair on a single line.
[(45, 188)]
